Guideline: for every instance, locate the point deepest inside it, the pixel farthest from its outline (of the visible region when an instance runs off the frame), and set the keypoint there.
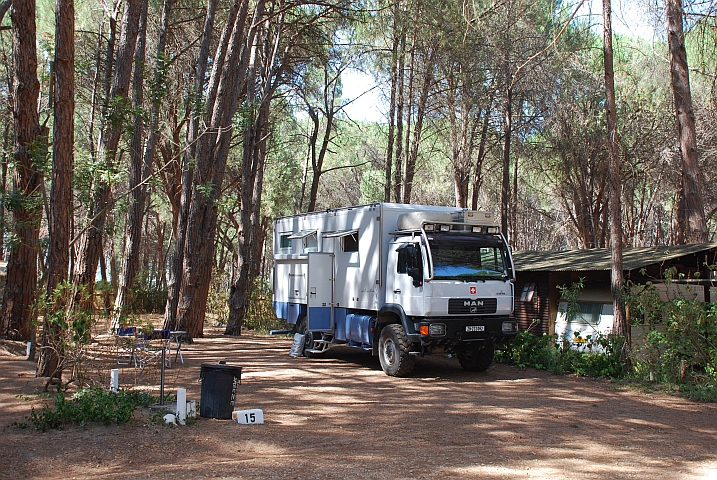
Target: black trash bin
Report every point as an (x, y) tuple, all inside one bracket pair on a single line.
[(219, 386)]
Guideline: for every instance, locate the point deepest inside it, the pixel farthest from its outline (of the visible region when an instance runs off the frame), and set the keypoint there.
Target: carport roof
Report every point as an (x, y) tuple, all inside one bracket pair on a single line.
[(599, 258)]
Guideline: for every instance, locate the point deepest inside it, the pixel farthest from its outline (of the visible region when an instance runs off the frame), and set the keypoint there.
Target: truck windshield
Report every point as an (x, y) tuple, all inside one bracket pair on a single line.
[(468, 257)]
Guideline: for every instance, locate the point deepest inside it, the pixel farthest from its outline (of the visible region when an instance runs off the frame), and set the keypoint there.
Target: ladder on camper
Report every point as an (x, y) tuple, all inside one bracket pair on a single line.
[(322, 345)]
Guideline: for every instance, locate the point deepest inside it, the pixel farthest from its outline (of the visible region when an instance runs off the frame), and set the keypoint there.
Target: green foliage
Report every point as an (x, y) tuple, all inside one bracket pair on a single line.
[(678, 348), (89, 405), (67, 326), (217, 300), (599, 358), (571, 295), (529, 350), (260, 315), (372, 186)]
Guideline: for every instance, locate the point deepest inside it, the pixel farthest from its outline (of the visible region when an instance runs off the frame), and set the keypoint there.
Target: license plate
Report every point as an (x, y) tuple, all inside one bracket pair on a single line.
[(475, 328)]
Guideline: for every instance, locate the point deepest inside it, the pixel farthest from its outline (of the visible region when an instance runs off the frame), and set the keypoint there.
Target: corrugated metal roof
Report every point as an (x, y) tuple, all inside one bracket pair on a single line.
[(599, 258)]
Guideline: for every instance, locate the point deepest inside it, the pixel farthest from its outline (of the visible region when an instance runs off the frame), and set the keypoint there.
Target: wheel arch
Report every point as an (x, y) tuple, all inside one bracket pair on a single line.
[(390, 313)]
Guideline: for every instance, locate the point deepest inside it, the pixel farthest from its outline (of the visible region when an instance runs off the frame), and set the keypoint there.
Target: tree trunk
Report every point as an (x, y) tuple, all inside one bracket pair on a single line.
[(253, 160), (685, 118), (392, 110), (505, 183), (412, 158), (252, 180), (400, 99), (212, 150), (177, 261), (620, 326), (62, 164), (141, 162), (90, 249), (135, 210), (478, 175), (19, 294), (317, 159), (62, 145)]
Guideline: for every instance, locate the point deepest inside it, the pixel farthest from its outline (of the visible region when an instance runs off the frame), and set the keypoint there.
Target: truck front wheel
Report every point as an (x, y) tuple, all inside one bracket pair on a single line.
[(477, 360), (393, 351)]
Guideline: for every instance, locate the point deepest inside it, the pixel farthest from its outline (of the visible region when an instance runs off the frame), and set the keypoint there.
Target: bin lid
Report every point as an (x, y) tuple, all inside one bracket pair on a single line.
[(221, 367)]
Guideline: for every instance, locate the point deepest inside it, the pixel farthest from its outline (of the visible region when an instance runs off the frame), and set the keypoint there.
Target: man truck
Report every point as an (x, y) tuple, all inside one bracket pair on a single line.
[(398, 280)]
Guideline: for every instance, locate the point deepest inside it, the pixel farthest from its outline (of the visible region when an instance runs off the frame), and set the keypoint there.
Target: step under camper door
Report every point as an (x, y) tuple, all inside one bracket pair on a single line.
[(321, 292)]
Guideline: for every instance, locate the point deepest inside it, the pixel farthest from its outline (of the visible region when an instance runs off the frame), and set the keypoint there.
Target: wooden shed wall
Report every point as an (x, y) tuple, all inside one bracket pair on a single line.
[(526, 312)]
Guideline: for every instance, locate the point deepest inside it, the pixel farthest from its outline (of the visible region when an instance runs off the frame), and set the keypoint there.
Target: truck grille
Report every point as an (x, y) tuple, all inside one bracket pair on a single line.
[(457, 306)]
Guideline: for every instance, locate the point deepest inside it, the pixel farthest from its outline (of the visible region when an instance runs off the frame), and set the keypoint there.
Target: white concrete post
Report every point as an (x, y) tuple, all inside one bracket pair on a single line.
[(182, 405)]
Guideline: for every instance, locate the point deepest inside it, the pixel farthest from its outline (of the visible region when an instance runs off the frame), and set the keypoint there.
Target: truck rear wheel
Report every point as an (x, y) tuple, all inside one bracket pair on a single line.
[(303, 328), (393, 351), (477, 360)]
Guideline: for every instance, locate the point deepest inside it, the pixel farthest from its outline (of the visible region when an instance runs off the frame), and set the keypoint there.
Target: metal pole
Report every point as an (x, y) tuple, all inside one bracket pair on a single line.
[(161, 379)]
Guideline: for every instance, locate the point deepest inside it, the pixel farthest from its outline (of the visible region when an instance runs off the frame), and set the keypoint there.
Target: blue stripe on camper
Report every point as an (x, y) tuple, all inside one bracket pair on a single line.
[(320, 318), (296, 311), (281, 309)]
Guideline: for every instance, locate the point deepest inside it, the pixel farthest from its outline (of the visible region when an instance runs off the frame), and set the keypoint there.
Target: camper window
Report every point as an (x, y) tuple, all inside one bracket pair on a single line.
[(350, 243), (284, 240), (310, 244)]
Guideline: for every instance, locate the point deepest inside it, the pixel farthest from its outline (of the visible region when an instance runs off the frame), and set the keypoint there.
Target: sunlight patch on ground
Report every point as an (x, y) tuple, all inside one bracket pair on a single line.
[(706, 471)]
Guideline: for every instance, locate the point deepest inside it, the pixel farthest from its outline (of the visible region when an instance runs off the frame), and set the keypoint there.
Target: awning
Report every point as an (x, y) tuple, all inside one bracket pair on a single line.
[(342, 233), (302, 234)]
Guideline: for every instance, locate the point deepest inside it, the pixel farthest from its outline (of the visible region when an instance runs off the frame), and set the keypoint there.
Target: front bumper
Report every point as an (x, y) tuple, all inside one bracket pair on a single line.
[(452, 335)]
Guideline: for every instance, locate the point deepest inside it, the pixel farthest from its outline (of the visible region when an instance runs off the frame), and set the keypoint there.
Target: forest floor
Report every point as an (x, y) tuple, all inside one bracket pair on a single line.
[(340, 416)]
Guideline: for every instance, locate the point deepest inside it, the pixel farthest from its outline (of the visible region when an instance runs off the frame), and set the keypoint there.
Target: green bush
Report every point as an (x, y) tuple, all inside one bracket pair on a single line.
[(90, 405), (529, 350), (600, 358), (679, 350)]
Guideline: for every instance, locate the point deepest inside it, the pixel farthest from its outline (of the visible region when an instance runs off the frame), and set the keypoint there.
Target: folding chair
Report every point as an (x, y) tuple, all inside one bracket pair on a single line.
[(126, 342)]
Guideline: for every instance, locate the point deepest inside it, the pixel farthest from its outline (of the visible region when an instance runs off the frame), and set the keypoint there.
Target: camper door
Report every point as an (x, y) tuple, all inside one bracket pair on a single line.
[(321, 292)]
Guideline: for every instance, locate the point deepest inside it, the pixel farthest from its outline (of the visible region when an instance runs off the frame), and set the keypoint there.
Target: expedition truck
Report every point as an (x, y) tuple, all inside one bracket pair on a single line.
[(399, 280)]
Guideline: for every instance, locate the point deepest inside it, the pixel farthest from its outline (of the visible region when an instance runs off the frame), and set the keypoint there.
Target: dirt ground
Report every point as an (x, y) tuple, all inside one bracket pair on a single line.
[(341, 417)]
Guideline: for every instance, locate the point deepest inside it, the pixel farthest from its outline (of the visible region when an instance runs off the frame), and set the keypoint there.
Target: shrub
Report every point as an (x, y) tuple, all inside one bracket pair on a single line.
[(599, 358), (679, 349), (90, 405), (529, 350)]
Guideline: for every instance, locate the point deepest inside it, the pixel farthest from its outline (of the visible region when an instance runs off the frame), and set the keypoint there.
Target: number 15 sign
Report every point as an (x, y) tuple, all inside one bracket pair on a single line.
[(248, 417)]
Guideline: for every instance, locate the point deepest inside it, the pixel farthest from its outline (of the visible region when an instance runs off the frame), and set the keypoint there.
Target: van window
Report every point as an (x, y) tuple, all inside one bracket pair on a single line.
[(284, 240)]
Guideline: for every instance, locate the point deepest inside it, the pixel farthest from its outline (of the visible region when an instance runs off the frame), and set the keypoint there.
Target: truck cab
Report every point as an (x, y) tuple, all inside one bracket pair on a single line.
[(453, 284)]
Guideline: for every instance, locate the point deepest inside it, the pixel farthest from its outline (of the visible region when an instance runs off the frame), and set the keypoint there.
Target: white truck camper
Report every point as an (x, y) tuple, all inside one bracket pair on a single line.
[(399, 280)]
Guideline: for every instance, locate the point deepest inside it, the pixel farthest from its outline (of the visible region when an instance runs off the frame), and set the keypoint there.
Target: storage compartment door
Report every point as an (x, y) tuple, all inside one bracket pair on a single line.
[(321, 292)]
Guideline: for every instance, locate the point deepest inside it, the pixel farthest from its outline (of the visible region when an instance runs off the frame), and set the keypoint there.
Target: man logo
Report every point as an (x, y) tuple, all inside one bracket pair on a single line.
[(472, 304), (474, 309)]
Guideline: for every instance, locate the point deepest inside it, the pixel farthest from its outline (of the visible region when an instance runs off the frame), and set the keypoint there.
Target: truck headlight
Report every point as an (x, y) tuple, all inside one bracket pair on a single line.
[(437, 329), (509, 327)]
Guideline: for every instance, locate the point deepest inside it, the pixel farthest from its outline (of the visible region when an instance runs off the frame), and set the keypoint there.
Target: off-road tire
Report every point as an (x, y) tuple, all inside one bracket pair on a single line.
[(393, 351), (478, 359)]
